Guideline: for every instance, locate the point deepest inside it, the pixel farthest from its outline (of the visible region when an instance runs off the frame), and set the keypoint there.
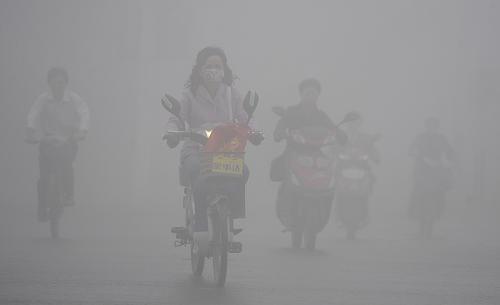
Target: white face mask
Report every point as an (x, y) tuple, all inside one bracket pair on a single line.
[(213, 75)]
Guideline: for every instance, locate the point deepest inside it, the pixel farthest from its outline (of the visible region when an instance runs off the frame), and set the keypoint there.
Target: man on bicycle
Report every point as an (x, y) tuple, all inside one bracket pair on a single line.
[(57, 120)]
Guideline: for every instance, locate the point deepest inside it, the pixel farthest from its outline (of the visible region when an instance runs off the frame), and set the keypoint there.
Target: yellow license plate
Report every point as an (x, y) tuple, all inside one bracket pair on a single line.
[(227, 165)]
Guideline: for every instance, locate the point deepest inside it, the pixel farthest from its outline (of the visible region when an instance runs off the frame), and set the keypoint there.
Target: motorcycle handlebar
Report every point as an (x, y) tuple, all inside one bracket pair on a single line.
[(199, 138)]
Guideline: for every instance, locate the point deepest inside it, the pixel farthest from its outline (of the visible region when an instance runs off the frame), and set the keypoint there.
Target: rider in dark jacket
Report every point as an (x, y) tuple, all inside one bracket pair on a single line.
[(305, 113)]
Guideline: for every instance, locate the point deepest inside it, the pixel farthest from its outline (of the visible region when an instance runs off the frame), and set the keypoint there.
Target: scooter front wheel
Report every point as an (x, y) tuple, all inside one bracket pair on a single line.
[(219, 249)]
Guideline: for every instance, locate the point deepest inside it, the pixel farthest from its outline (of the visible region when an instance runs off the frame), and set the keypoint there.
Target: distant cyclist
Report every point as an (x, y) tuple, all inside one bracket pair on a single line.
[(57, 120)]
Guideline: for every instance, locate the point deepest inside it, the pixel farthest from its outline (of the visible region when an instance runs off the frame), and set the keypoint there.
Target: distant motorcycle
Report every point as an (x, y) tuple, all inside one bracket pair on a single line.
[(309, 183), (224, 160), (354, 181)]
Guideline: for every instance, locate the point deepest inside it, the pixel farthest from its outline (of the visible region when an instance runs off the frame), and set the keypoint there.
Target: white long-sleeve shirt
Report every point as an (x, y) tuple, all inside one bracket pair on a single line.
[(199, 109), (62, 118)]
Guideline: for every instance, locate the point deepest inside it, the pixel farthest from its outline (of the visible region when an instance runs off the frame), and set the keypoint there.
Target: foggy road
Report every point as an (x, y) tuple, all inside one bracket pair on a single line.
[(148, 270), (396, 63)]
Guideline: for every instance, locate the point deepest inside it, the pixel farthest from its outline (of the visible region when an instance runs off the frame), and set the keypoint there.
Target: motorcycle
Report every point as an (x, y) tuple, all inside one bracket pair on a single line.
[(223, 164), (354, 181), (307, 190)]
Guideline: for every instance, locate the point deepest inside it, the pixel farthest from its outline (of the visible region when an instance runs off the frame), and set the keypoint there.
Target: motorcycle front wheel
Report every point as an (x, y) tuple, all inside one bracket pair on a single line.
[(219, 249), (197, 260)]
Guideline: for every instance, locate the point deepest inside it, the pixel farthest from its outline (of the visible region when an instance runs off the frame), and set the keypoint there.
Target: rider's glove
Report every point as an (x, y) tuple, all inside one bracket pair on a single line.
[(256, 138), (172, 140)]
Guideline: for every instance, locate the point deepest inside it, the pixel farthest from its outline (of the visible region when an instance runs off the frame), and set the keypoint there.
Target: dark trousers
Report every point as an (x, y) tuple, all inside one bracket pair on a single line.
[(55, 161), (203, 185)]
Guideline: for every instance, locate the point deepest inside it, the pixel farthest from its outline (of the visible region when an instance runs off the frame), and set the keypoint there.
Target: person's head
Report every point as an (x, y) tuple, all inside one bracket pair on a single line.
[(57, 78), (210, 69), (309, 90), (432, 124)]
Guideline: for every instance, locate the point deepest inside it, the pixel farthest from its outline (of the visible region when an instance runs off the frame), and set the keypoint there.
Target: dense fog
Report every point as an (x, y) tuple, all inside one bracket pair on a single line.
[(395, 62)]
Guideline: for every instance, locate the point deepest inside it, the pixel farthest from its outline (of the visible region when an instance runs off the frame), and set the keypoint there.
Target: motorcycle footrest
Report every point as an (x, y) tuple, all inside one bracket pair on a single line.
[(180, 243), (180, 232), (234, 247)]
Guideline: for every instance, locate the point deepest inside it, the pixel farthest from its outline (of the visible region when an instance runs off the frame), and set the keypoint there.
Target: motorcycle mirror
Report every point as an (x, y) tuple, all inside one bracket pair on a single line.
[(250, 103), (350, 117), (171, 104), (279, 110)]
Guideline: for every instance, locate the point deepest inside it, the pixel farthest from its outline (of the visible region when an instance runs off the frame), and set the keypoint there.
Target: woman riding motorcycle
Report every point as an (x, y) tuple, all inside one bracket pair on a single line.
[(210, 100)]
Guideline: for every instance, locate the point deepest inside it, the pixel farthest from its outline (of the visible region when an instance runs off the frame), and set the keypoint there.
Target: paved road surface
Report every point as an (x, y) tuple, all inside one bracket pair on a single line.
[(142, 269)]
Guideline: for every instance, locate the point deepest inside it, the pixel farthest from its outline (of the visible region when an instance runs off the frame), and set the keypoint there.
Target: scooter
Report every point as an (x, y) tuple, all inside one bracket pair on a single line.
[(223, 165), (309, 184), (354, 181)]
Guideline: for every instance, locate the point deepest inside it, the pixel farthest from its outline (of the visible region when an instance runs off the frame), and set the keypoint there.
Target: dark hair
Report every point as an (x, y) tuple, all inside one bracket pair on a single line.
[(309, 82), (57, 72), (195, 79)]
